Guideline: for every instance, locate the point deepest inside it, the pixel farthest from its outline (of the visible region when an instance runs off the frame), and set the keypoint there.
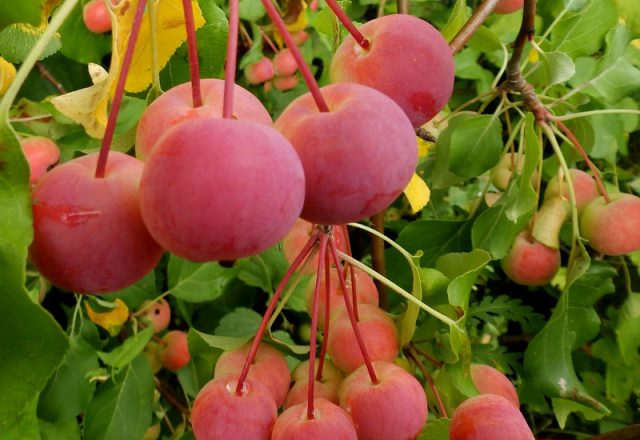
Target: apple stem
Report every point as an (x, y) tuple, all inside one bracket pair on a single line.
[(194, 65), (352, 317), (117, 97), (348, 24), (232, 55), (592, 167), (348, 267), (312, 85), (413, 355), (327, 315), (272, 305), (314, 325)]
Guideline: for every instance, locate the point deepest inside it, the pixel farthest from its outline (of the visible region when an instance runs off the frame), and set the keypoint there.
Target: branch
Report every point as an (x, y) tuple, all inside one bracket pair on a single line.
[(49, 77), (627, 433), (471, 26), (403, 6)]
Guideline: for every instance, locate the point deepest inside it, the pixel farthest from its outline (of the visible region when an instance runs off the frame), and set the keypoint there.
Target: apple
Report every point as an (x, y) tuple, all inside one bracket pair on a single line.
[(284, 83), (152, 354), (612, 228), (529, 262), (175, 106), (158, 314), (508, 6), (502, 173), (330, 373), (488, 380), (299, 392), (488, 417), (329, 422), (221, 189), (174, 350), (408, 60), (42, 153), (260, 71), (355, 162), (584, 186), (298, 236), (394, 408), (284, 63), (96, 17), (76, 217)]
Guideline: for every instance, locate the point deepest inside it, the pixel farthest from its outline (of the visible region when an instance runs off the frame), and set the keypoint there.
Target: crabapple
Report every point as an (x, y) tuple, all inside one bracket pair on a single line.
[(158, 314), (174, 350), (584, 186), (221, 189), (218, 413), (298, 236), (269, 368), (394, 408), (284, 63), (300, 390), (76, 217), (300, 37), (379, 334), (408, 60), (330, 372), (366, 292), (152, 353), (488, 417), (508, 6), (355, 162), (175, 106), (260, 71), (502, 173), (529, 262), (612, 228), (329, 422), (41, 153), (284, 83), (488, 380), (96, 17)]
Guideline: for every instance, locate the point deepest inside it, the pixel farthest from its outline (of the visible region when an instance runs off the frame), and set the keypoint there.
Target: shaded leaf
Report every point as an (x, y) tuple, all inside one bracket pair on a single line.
[(476, 145), (122, 356), (198, 282), (581, 33)]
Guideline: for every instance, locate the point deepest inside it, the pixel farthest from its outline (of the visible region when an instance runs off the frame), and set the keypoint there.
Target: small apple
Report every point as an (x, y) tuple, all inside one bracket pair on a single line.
[(158, 314), (612, 228), (41, 153), (96, 17), (508, 6), (329, 422), (529, 262), (174, 350), (488, 380), (260, 71)]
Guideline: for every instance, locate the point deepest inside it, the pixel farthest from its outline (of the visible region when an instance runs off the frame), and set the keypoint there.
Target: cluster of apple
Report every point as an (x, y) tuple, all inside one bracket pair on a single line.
[(279, 72)]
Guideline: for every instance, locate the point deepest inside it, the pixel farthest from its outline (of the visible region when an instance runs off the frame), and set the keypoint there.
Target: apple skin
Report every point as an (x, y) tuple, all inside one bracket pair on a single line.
[(508, 6), (284, 63), (175, 106), (96, 16), (613, 228), (221, 189), (219, 414), (41, 153), (378, 331), (260, 71), (366, 293), (76, 217), (269, 368), (408, 60), (329, 422), (158, 315), (330, 373), (530, 263), (488, 380), (174, 350), (488, 417), (298, 236), (355, 162), (393, 409), (322, 390), (284, 83), (584, 186)]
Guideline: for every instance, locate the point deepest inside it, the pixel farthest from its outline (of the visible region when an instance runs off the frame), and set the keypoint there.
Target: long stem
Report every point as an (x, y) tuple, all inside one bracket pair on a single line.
[(117, 98), (194, 64), (377, 257), (312, 85), (153, 28), (272, 305), (609, 111), (59, 17), (348, 24), (327, 315), (314, 326), (471, 26), (232, 56), (352, 316), (423, 369)]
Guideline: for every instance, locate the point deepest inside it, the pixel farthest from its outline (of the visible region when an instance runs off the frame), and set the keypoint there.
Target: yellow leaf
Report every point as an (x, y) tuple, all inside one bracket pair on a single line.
[(110, 320), (423, 147), (534, 56), (417, 192), (88, 106), (7, 74)]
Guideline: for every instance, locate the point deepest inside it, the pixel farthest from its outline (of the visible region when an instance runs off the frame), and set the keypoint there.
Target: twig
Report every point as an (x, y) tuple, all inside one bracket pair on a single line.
[(167, 392), (49, 77), (428, 356), (412, 354), (627, 433), (403, 6), (471, 26), (377, 257), (425, 135)]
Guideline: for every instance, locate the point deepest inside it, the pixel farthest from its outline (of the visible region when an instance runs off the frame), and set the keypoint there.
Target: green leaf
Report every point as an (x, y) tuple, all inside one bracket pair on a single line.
[(221, 342), (263, 270), (553, 68), (434, 238), (563, 407), (24, 426), (17, 40), (242, 322), (79, 43), (581, 33), (69, 390), (485, 40), (628, 329), (198, 282), (525, 199), (26, 11), (629, 11), (476, 145), (136, 294), (251, 10), (68, 430), (462, 269), (407, 322), (121, 408), (491, 309), (32, 344), (457, 19), (437, 429), (121, 356)]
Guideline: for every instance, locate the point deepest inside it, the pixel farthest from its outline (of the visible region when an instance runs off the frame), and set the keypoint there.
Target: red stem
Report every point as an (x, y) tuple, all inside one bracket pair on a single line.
[(592, 167), (352, 316), (117, 98), (232, 55), (314, 326), (194, 65), (312, 85), (351, 270), (348, 24), (272, 305), (327, 316)]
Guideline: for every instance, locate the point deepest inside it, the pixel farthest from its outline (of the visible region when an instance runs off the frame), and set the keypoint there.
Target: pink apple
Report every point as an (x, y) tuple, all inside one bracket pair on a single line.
[(299, 392), (584, 186), (174, 350), (284, 83), (96, 16), (330, 373), (531, 263), (329, 422), (298, 236), (41, 153), (285, 64), (612, 228), (158, 314), (488, 380), (508, 6), (260, 71)]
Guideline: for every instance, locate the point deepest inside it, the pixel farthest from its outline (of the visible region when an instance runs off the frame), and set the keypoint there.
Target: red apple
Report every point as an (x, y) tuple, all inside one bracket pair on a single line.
[(158, 314), (299, 392), (612, 228), (284, 83), (488, 380), (508, 6), (300, 37), (176, 106), (284, 63), (329, 422), (531, 263), (488, 417), (298, 236), (260, 71), (355, 162), (584, 186), (330, 372), (221, 189), (174, 350), (96, 16), (77, 218), (41, 153), (408, 60), (395, 408)]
